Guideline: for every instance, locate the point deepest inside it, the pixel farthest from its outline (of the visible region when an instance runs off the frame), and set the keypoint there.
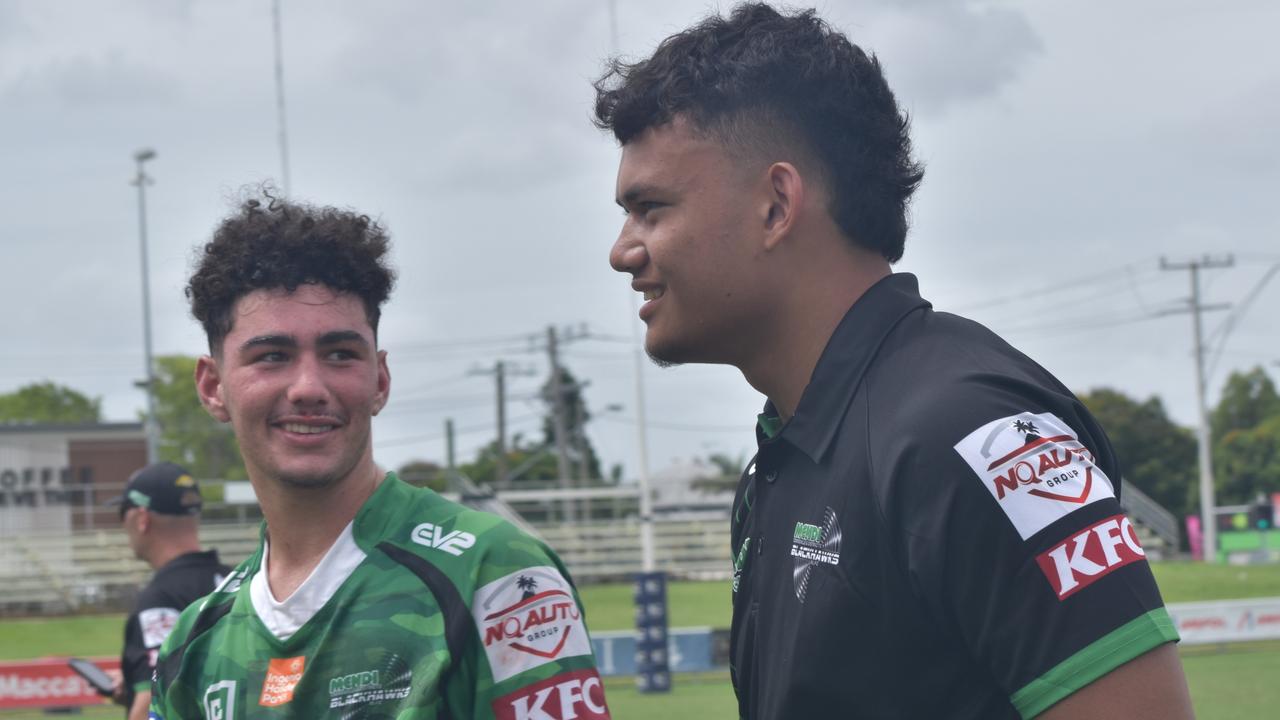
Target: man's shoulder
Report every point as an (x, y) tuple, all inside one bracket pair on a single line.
[(471, 547), (939, 376)]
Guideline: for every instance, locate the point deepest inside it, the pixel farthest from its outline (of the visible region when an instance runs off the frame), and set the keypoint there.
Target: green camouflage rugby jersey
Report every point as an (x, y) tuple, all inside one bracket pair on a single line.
[(423, 609)]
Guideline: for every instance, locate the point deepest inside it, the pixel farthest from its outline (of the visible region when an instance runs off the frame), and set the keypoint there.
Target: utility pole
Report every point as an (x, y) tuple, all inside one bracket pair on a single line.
[(499, 373), (557, 406), (141, 180), (1208, 514), (647, 559), (448, 444), (500, 382)]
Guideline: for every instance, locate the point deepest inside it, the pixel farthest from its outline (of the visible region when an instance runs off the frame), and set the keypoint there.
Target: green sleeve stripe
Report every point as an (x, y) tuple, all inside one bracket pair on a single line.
[(144, 686), (1106, 654)]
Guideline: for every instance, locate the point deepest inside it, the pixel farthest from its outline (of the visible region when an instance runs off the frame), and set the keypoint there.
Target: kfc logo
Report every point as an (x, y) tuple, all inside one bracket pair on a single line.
[(1091, 555), (577, 695), (529, 618), (1035, 467)]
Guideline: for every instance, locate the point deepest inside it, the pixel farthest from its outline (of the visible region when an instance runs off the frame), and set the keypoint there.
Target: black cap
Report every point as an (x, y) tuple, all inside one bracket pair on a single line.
[(162, 488)]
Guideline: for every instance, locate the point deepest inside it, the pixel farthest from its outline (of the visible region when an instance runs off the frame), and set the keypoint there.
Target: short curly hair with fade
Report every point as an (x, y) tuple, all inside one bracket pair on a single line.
[(271, 243), (760, 80)]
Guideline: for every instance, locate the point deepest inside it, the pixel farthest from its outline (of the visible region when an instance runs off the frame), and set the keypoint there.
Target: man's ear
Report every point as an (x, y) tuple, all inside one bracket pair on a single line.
[(383, 392), (786, 197), (209, 388), (143, 520)]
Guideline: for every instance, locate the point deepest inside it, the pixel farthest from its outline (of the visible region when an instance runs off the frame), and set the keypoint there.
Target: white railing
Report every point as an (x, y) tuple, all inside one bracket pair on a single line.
[(95, 569)]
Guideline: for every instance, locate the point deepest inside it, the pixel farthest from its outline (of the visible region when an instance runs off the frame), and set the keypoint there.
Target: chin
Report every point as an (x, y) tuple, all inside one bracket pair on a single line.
[(309, 479), (670, 352)]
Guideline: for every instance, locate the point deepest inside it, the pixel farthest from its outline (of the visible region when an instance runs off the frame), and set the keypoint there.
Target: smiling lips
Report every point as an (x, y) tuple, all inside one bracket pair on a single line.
[(305, 429)]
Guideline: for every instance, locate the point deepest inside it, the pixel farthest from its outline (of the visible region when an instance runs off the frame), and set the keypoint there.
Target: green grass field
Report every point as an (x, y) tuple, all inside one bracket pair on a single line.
[(1229, 682)]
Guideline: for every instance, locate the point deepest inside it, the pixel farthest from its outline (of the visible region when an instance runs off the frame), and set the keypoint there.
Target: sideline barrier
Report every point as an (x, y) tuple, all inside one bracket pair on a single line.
[(696, 649), (690, 649), (1226, 621), (49, 683)]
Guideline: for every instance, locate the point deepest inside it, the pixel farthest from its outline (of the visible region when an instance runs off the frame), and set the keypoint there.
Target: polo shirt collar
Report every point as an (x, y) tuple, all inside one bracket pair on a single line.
[(843, 363)]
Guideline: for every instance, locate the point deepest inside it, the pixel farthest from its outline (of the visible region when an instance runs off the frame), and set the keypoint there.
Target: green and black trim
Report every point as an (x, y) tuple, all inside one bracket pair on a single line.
[(1134, 638)]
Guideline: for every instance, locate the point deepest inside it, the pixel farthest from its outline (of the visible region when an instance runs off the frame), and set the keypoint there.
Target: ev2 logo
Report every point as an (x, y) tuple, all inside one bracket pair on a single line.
[(220, 701), (435, 537)]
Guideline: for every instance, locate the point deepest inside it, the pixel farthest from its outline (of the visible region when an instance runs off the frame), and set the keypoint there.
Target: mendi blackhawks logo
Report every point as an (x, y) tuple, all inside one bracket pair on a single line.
[(813, 545)]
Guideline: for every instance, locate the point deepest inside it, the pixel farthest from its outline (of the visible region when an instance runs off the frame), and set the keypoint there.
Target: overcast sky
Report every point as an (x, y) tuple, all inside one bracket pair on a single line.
[(1068, 145)]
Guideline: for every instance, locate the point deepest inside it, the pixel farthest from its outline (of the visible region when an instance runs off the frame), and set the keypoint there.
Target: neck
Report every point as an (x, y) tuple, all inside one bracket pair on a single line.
[(166, 551), (304, 522), (805, 319)]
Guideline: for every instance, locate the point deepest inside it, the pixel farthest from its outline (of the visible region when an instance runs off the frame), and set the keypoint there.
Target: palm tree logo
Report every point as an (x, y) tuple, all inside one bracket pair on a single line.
[(527, 585), (1027, 427)]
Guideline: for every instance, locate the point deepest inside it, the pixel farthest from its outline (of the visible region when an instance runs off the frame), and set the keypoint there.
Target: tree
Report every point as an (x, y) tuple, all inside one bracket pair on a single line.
[(189, 435), (424, 473), (725, 474), (1248, 400), (526, 462), (48, 402), (1156, 455), (581, 453), (1247, 463)]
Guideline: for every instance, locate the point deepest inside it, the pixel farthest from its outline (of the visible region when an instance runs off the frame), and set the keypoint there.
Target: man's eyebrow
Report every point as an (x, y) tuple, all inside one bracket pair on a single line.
[(341, 336), (635, 191), (288, 341)]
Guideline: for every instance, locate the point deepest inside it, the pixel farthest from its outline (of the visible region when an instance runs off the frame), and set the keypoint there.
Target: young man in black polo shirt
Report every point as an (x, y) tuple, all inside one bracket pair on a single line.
[(160, 512), (931, 527)]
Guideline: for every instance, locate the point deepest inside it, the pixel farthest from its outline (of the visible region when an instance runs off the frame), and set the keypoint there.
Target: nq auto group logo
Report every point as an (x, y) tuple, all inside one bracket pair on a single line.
[(1035, 468), (529, 618)]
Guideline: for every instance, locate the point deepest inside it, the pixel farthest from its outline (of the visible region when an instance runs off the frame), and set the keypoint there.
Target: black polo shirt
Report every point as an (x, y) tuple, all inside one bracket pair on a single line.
[(934, 534), (177, 584)]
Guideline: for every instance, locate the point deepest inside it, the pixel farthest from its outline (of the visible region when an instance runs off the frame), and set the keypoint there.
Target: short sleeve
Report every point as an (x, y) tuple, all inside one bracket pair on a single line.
[(530, 655), (1008, 519)]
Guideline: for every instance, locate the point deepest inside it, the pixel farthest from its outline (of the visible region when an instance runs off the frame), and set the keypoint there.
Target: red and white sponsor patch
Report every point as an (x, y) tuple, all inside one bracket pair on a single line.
[(1035, 468), (156, 624), (1090, 555), (283, 675), (527, 619), (577, 695)]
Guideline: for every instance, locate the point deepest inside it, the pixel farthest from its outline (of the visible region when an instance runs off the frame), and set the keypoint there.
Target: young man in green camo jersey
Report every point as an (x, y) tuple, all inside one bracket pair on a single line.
[(367, 598)]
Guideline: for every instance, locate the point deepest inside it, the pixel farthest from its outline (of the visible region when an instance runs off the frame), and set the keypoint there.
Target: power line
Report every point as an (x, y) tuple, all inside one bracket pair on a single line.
[(1236, 314), (1056, 288), (486, 427), (682, 427)]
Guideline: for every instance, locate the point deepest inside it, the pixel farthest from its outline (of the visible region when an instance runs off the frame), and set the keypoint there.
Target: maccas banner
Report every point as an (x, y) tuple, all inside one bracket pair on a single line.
[(48, 683)]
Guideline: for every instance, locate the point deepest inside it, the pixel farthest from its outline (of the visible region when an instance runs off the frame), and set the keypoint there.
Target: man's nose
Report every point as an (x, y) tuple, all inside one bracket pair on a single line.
[(628, 255), (308, 387)]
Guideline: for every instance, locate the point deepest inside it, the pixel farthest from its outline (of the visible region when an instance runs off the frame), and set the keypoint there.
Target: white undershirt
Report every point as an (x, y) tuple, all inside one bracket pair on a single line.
[(283, 618)]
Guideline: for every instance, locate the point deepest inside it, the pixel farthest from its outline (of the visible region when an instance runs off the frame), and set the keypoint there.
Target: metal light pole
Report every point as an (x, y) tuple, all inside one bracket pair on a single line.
[(148, 383)]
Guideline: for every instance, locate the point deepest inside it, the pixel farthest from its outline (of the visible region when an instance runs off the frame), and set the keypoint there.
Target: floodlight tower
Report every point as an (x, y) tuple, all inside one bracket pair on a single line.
[(141, 180)]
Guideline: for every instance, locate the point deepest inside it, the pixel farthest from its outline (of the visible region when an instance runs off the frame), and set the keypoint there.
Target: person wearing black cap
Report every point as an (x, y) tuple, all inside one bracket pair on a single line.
[(160, 511)]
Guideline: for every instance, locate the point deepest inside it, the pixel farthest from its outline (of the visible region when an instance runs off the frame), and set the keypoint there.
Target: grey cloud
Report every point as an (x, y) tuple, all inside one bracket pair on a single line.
[(111, 80), (939, 54)]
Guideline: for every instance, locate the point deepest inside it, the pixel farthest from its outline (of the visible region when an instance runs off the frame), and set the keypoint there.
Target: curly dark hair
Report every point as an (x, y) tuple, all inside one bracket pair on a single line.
[(273, 243), (759, 78)]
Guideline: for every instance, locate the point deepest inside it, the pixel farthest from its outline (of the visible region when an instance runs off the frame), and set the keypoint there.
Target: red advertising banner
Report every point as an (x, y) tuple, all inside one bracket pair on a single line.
[(49, 683)]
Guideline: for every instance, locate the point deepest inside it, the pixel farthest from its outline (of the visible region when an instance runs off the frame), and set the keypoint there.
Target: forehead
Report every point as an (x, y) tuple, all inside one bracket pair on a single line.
[(672, 156), (309, 309)]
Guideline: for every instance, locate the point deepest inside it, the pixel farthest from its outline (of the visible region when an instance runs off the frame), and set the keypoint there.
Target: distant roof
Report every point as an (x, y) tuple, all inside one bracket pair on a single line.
[(25, 428)]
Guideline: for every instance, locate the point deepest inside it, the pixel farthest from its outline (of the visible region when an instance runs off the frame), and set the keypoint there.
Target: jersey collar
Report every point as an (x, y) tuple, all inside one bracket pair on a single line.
[(383, 512), (843, 363)]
